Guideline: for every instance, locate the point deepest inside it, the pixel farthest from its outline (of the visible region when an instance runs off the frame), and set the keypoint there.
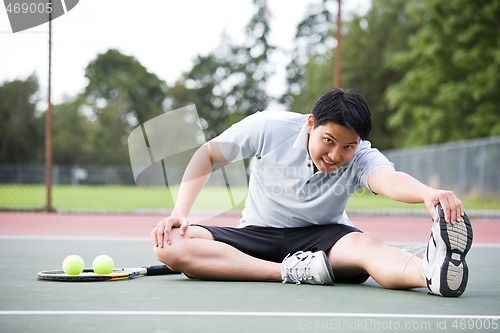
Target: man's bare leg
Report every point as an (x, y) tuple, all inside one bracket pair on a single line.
[(198, 255), (358, 253)]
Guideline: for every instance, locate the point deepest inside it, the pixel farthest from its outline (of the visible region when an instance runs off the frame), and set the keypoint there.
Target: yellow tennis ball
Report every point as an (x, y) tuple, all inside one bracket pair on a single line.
[(73, 265), (103, 264)]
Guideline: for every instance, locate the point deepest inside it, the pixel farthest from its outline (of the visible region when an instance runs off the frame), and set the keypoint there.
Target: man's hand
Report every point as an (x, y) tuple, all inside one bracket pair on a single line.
[(452, 206), (161, 234)]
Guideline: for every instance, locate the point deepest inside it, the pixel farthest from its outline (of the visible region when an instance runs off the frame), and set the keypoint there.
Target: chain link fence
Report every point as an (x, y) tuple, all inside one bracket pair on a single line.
[(95, 175), (469, 168), (66, 174)]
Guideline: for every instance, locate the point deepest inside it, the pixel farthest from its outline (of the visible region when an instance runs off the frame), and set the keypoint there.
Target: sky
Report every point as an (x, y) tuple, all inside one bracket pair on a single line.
[(165, 36)]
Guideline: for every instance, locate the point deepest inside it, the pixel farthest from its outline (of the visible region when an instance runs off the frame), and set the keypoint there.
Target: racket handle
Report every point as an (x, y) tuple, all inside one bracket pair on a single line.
[(160, 270)]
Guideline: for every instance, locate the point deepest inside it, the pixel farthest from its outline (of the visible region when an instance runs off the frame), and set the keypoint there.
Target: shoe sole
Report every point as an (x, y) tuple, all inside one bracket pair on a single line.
[(454, 270), (328, 267)]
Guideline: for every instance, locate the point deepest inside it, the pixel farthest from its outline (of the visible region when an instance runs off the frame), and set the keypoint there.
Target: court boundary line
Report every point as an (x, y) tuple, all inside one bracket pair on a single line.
[(74, 238), (244, 314), (145, 239)]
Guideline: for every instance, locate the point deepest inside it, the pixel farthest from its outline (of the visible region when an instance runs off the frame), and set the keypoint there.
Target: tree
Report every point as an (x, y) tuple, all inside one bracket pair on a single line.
[(206, 86), (121, 94), (113, 76), (74, 134), (450, 89), (229, 83), (252, 61), (368, 43), (112, 133), (21, 130), (313, 39)]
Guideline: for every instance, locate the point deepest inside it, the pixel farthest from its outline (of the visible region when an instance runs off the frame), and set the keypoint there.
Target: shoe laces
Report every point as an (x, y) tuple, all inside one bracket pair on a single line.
[(414, 251), (299, 270)]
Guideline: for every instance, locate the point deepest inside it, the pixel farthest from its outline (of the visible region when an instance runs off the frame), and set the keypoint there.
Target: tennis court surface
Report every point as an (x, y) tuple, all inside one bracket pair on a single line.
[(31, 242)]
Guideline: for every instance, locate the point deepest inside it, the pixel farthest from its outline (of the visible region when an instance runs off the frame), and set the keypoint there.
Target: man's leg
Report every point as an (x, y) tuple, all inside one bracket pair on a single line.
[(198, 255), (358, 253)]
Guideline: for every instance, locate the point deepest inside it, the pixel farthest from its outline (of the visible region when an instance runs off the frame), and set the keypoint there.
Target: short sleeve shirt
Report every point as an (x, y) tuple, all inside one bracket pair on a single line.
[(284, 191)]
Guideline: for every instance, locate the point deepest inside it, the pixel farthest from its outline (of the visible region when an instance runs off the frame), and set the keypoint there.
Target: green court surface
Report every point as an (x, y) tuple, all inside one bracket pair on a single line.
[(178, 304)]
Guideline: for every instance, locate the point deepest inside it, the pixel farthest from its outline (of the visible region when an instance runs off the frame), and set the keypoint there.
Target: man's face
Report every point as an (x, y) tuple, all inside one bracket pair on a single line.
[(331, 145)]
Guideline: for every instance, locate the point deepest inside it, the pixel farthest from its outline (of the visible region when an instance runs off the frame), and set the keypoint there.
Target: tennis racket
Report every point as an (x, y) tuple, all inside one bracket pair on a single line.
[(88, 275)]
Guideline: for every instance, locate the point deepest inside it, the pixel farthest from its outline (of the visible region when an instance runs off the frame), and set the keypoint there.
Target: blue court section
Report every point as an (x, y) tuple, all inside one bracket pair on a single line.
[(178, 304)]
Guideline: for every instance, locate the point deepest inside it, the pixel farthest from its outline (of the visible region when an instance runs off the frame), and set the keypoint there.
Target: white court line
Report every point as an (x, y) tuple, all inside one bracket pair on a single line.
[(247, 314), (142, 239), (75, 238)]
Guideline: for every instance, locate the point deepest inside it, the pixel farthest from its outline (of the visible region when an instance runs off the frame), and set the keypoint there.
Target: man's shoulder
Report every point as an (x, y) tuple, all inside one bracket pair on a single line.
[(283, 125), (365, 147), (367, 156), (280, 116), (280, 123)]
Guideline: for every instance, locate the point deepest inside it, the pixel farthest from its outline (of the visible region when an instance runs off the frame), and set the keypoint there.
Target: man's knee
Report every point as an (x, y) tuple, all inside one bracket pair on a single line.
[(169, 254), (352, 250), (175, 254), (358, 240)]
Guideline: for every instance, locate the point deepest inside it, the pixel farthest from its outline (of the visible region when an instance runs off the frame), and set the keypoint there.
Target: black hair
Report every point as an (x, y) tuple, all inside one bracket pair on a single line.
[(345, 108)]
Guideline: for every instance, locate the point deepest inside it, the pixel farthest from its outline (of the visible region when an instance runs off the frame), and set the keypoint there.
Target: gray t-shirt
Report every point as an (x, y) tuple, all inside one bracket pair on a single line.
[(284, 191)]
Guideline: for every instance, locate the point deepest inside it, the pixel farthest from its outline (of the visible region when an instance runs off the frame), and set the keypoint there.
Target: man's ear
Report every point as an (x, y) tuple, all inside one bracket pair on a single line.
[(310, 123)]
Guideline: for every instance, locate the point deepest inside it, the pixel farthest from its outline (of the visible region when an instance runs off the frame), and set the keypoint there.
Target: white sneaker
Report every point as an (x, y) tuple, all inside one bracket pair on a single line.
[(307, 267), (443, 265)]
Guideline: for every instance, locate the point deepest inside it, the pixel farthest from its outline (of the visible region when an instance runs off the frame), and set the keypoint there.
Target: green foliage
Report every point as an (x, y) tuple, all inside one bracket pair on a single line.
[(313, 38), (452, 73), (202, 86), (368, 43), (420, 65), (73, 135), (21, 129), (94, 127), (120, 95), (429, 71), (120, 79), (228, 84)]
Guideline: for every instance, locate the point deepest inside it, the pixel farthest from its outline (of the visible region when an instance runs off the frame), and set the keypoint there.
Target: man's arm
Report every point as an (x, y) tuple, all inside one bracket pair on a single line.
[(402, 187), (195, 177)]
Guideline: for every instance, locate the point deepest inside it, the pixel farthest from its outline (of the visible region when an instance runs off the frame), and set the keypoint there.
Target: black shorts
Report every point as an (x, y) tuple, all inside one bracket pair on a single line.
[(274, 244)]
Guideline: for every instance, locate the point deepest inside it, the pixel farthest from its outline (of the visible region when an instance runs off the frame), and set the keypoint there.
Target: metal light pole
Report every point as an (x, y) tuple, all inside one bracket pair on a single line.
[(338, 50), (48, 127)]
